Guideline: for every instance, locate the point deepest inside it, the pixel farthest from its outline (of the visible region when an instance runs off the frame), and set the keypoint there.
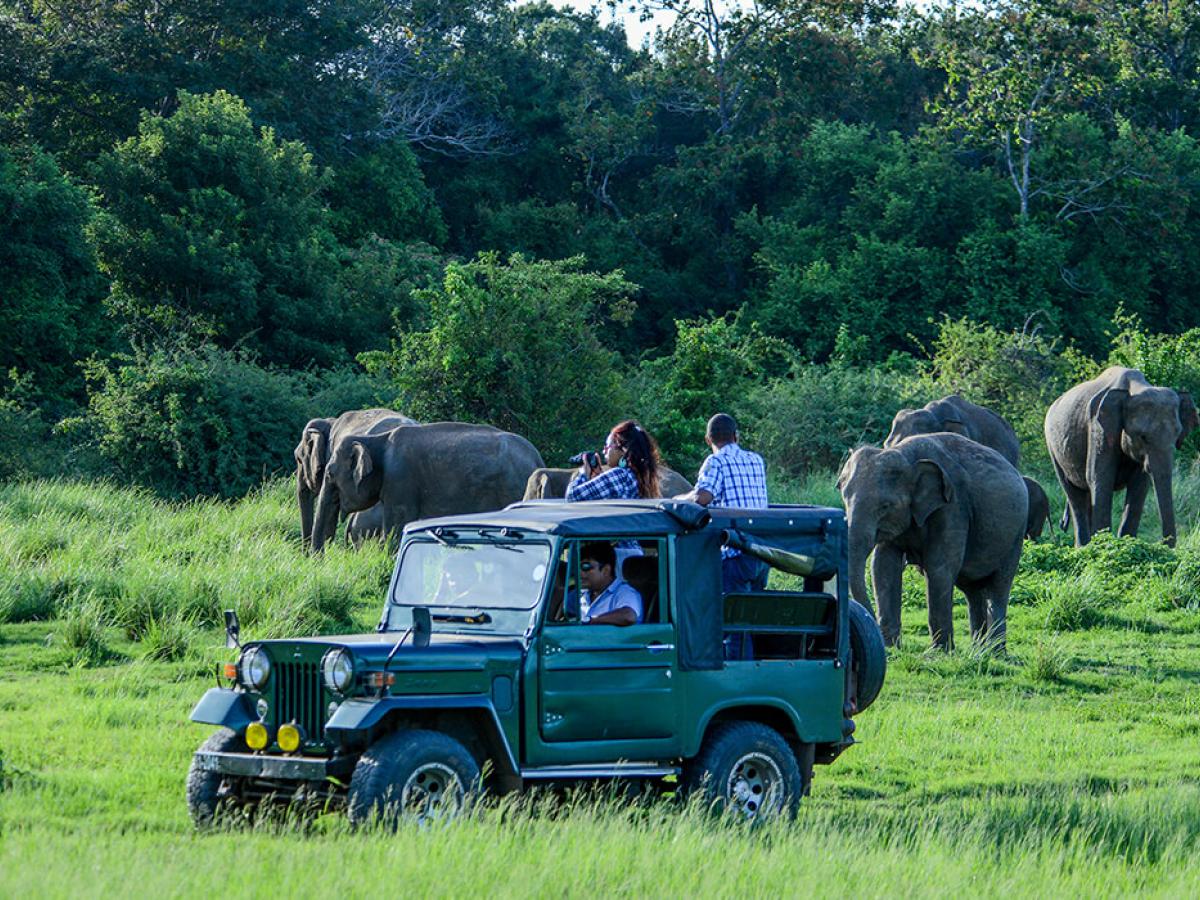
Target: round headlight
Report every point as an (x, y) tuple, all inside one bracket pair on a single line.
[(255, 667), (338, 668)]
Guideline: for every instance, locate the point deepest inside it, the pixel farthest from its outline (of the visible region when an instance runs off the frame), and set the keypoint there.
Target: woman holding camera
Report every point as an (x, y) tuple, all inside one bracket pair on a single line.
[(628, 471)]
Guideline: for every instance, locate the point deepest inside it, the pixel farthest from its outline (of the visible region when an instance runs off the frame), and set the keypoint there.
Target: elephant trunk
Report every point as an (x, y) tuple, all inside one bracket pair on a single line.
[(304, 497), (1161, 471), (326, 518), (862, 542)]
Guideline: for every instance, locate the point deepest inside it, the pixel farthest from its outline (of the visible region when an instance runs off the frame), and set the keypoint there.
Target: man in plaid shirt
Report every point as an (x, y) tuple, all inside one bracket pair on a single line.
[(734, 477)]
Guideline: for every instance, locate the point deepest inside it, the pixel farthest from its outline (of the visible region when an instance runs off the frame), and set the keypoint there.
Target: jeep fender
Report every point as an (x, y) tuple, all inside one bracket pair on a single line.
[(783, 710), (221, 706), (361, 714)]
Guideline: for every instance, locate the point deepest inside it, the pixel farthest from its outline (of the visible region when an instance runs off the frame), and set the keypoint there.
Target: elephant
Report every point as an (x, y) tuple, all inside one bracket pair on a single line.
[(420, 471), (1117, 432), (949, 505), (364, 526), (316, 442), (1039, 509), (549, 484), (958, 416)]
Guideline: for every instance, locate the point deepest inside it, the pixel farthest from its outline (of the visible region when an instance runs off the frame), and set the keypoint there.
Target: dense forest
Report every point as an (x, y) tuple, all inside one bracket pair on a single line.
[(220, 218)]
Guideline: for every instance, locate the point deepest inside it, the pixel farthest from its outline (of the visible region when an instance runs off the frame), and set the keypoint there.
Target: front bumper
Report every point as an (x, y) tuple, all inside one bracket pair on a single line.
[(284, 768)]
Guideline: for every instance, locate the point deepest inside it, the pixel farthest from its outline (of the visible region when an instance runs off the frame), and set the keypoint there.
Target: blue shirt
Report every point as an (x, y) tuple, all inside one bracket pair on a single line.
[(618, 594), (613, 484), (735, 477)]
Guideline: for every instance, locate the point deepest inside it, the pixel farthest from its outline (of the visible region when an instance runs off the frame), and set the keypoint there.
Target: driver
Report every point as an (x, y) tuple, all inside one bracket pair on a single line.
[(459, 580), (610, 599)]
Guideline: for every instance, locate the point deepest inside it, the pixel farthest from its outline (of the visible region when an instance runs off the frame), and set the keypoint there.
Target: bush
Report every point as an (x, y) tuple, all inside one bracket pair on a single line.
[(713, 364), (1070, 604), (517, 344), (1017, 374), (203, 421), (815, 415), (82, 630)]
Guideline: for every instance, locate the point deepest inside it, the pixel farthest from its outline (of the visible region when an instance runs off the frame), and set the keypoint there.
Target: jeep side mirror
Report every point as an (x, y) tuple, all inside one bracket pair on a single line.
[(233, 630), (422, 626)]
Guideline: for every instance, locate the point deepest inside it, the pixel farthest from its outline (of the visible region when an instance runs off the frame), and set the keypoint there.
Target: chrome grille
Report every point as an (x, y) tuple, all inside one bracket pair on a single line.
[(299, 697)]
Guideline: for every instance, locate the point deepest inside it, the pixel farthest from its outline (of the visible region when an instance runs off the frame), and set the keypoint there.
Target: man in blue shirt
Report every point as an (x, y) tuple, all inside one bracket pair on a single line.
[(611, 599), (731, 476)]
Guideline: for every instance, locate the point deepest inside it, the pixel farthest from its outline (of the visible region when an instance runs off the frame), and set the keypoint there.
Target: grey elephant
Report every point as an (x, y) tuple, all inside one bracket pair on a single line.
[(1117, 432), (1039, 509), (317, 441), (550, 484), (958, 416), (365, 526), (951, 506), (419, 471)]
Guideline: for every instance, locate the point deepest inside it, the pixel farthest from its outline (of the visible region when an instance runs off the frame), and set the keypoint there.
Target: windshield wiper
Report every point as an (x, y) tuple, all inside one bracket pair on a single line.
[(480, 618)]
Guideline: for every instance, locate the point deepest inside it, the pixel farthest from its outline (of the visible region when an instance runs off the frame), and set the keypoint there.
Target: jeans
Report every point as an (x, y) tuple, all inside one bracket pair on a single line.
[(741, 574)]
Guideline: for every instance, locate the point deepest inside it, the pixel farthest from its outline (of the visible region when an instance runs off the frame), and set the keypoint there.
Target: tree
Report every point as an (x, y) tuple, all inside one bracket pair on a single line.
[(516, 344), (51, 292), (88, 69), (212, 227), (1012, 68)]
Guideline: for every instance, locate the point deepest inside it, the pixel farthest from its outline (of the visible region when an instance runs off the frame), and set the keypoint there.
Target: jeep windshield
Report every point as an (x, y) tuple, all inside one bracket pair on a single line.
[(477, 581)]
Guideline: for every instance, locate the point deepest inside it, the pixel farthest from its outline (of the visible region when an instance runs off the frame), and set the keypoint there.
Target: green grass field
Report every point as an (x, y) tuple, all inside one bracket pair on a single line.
[(1071, 766)]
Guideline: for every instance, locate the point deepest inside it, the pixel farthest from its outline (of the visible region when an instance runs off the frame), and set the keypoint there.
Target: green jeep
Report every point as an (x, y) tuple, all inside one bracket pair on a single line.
[(483, 674)]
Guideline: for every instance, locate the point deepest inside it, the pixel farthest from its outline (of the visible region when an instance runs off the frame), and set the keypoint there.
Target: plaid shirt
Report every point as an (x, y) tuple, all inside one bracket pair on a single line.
[(734, 477), (615, 484)]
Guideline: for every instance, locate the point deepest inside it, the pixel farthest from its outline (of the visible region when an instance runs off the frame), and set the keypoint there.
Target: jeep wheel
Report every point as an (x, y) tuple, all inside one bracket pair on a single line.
[(747, 769), (868, 656), (208, 792), (417, 776)]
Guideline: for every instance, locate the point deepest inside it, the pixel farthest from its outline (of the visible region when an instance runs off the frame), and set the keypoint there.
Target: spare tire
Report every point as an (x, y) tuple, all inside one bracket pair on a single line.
[(868, 658)]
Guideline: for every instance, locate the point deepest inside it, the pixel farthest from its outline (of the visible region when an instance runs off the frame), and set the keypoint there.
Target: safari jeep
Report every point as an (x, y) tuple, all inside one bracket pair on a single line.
[(483, 674)]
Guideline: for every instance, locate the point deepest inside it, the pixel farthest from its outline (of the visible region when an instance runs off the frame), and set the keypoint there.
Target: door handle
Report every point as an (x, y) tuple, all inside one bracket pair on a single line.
[(658, 648)]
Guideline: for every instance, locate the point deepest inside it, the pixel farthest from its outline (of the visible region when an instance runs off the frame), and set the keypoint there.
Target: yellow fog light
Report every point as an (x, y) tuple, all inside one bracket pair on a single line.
[(289, 738), (257, 736)]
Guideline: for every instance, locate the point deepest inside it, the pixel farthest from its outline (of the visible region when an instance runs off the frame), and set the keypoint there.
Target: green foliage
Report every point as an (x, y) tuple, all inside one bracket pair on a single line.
[(813, 416), (82, 629), (50, 288), (212, 227), (384, 194), (206, 421), (516, 344), (1017, 374), (1072, 603), (1050, 661), (713, 364)]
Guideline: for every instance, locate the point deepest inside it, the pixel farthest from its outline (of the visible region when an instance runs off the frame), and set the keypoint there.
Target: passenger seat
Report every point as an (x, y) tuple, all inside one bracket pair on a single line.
[(642, 573)]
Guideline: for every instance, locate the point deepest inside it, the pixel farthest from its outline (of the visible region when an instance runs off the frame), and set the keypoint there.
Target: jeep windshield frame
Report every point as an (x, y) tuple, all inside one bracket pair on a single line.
[(472, 580)]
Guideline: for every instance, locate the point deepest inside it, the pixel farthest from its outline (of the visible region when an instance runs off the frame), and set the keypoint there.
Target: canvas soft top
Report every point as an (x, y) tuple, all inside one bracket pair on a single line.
[(634, 518)]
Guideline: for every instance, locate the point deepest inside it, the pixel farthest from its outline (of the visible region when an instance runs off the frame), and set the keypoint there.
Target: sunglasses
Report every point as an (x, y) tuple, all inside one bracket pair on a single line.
[(588, 566)]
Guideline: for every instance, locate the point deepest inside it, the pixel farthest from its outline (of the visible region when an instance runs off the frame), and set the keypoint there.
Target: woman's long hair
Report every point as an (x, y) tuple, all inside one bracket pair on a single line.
[(641, 453)]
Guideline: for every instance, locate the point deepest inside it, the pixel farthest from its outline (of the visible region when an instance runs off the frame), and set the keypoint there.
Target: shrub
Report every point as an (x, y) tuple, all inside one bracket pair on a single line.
[(168, 639), (202, 421), (516, 343), (1050, 661), (711, 367), (812, 417)]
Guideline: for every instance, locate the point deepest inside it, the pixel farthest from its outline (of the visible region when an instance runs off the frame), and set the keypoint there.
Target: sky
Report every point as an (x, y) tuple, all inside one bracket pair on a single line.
[(638, 31)]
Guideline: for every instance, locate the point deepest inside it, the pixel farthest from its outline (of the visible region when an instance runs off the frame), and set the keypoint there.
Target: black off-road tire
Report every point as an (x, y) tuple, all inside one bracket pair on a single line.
[(412, 775), (748, 769), (209, 792), (868, 656)]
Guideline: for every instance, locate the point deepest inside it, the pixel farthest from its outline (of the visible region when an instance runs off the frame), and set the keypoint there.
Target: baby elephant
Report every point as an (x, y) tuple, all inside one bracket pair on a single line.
[(952, 507)]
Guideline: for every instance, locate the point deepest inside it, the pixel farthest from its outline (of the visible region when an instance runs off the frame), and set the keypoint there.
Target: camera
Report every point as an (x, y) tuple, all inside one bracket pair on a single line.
[(593, 459)]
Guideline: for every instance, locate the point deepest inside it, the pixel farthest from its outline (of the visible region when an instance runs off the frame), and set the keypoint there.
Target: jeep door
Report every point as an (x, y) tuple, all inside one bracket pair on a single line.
[(609, 691)]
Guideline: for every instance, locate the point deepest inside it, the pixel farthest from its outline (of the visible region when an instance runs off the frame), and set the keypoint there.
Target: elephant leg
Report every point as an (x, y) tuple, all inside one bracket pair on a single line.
[(939, 594), (887, 578), (977, 610), (1135, 501), (1079, 502)]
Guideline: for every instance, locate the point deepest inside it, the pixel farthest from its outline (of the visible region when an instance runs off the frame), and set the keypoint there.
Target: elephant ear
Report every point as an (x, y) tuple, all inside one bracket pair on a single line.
[(313, 448), (1107, 411), (362, 462), (931, 491), (1188, 416)]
